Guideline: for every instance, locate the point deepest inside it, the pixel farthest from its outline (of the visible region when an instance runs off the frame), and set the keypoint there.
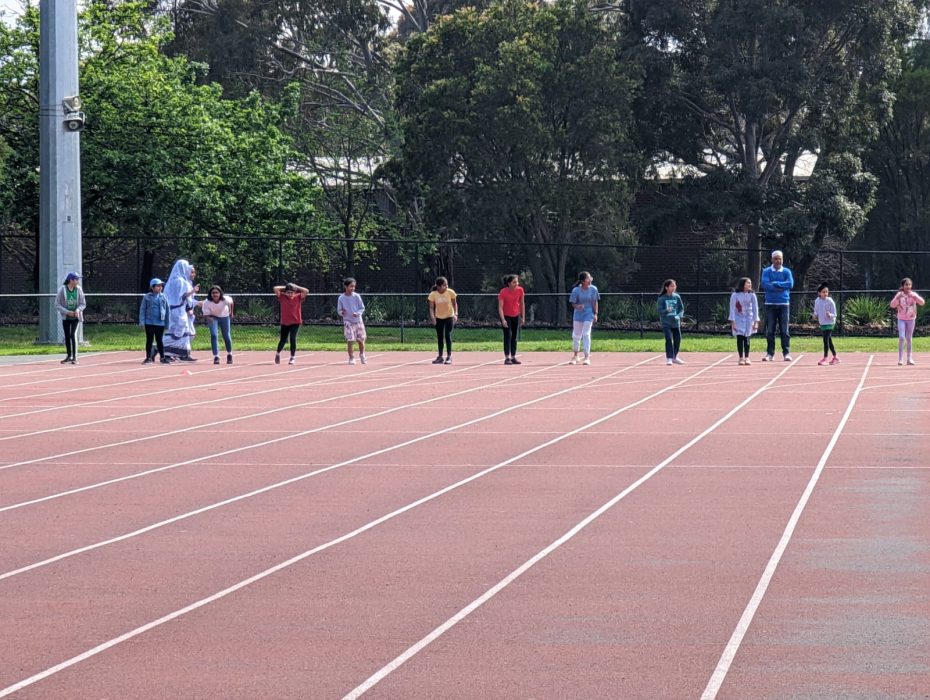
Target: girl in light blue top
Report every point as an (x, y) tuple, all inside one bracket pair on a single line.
[(584, 298), (671, 309)]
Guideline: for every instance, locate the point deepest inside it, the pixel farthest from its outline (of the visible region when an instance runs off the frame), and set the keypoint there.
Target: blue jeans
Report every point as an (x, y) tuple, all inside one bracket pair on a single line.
[(223, 324), (777, 314), (672, 341)]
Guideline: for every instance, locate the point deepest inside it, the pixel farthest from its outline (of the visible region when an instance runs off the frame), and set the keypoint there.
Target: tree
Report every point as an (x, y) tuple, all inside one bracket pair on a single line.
[(752, 86), (517, 126)]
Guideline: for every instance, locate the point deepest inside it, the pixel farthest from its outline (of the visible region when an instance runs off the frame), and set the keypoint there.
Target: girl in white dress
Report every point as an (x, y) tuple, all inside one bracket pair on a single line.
[(744, 317)]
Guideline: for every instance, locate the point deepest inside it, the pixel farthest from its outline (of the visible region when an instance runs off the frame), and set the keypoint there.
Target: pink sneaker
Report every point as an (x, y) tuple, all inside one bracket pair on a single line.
[(823, 362), (835, 360)]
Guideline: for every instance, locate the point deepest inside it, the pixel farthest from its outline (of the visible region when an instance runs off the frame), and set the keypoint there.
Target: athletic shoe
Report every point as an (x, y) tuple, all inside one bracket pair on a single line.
[(508, 361), (767, 358), (292, 360), (835, 360), (277, 359), (351, 360), (229, 359), (66, 361), (165, 361), (900, 362), (364, 359), (742, 361), (216, 359), (148, 361), (823, 362), (573, 361), (74, 361), (448, 360), (586, 361), (515, 361), (668, 361), (748, 361), (678, 361), (187, 358), (788, 358), (909, 361)]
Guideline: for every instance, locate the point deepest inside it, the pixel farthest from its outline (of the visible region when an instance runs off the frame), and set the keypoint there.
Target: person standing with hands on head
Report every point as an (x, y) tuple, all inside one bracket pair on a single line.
[(744, 317), (70, 304), (153, 317), (671, 309), (906, 302), (443, 312), (825, 313), (217, 311), (350, 308), (291, 298), (584, 299), (777, 283), (511, 307)]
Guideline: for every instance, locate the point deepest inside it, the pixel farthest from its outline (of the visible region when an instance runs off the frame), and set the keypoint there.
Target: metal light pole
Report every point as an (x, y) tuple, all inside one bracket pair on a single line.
[(60, 124)]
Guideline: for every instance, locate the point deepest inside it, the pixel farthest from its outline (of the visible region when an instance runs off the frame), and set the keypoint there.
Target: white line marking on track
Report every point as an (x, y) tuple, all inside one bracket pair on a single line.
[(729, 652), (411, 651), (292, 480), (354, 533)]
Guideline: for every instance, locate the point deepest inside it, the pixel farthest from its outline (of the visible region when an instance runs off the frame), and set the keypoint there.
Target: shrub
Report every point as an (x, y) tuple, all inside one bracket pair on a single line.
[(866, 311)]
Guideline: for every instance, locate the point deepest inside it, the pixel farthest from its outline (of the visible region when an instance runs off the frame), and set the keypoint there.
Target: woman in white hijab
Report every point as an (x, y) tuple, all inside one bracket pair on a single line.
[(180, 292)]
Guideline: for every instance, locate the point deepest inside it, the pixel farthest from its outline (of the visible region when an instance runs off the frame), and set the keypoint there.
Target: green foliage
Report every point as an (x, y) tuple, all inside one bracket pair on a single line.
[(867, 311)]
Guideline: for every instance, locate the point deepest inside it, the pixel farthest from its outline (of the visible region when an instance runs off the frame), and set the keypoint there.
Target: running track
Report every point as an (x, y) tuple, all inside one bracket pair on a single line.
[(401, 530)]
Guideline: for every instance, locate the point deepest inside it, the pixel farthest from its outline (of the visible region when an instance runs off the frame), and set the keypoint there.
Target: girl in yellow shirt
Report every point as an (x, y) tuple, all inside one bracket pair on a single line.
[(443, 312)]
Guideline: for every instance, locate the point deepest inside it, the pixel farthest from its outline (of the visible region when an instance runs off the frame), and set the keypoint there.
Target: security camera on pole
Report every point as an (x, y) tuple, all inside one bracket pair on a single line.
[(60, 123)]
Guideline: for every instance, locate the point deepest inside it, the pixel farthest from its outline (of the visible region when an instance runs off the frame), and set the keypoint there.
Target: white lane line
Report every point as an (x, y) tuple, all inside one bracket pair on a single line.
[(286, 436), (354, 533), (325, 381), (300, 477), (411, 651), (235, 419), (729, 652)]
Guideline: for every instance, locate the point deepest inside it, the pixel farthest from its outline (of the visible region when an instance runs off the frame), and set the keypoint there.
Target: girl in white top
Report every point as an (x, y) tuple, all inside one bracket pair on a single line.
[(906, 302), (217, 311), (744, 317), (825, 313)]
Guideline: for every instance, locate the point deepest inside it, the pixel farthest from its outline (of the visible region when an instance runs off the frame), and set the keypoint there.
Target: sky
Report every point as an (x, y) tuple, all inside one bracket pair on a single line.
[(10, 8)]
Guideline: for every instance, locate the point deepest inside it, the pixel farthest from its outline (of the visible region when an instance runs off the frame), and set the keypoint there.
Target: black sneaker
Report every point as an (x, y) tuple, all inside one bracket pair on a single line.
[(277, 359), (515, 361), (73, 360), (148, 361), (67, 360), (438, 360), (187, 358), (216, 359), (165, 361), (228, 359), (508, 361)]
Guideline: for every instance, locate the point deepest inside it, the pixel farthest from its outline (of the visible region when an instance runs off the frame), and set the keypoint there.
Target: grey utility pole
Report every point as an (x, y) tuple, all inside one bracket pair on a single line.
[(60, 124)]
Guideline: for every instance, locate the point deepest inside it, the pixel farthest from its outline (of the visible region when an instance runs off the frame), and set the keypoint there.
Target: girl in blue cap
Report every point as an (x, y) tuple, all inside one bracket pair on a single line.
[(70, 304), (153, 316)]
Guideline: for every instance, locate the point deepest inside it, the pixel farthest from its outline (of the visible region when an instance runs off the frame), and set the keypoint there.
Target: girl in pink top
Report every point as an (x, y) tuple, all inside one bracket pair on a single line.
[(906, 302)]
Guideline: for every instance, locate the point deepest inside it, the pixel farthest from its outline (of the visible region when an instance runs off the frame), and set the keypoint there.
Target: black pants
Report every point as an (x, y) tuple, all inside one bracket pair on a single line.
[(672, 341), (154, 334), (828, 343), (742, 345), (444, 331), (289, 332), (69, 326), (511, 335)]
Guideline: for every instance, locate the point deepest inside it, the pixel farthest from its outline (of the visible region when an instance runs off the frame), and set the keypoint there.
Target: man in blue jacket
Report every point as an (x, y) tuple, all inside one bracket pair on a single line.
[(777, 283)]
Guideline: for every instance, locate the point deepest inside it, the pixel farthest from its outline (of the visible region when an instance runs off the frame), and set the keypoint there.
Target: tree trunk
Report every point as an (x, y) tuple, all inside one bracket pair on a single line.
[(753, 254)]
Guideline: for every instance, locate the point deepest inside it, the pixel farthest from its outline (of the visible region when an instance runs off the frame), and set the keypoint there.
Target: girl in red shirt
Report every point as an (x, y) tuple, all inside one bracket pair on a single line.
[(291, 297), (511, 307)]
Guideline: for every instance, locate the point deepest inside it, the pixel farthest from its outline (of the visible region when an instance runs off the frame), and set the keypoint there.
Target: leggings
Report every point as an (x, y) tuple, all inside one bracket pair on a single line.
[(289, 332), (581, 336), (156, 334), (69, 326), (511, 334), (905, 333), (828, 343), (672, 341), (742, 345), (444, 331)]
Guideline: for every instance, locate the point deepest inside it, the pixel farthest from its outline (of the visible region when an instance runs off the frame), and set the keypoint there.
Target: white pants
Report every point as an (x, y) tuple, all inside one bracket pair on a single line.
[(581, 336)]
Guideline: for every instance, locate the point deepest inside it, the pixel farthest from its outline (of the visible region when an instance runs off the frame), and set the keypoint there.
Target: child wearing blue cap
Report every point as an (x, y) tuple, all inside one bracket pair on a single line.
[(70, 304), (153, 316)]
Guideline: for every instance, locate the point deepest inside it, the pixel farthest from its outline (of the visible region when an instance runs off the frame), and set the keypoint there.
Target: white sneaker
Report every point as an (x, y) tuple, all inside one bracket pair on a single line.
[(573, 361), (668, 361), (363, 359), (788, 358), (351, 360), (292, 361), (747, 362), (742, 361), (900, 362), (586, 361), (678, 361), (767, 358), (911, 362)]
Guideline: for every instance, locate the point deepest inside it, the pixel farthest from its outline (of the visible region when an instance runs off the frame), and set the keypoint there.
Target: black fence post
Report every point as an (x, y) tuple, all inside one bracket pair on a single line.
[(697, 316), (642, 311), (839, 313)]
